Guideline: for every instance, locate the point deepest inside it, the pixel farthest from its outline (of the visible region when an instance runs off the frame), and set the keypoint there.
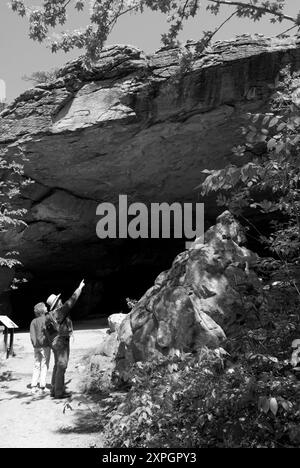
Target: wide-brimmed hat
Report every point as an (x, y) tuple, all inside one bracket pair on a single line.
[(52, 300)]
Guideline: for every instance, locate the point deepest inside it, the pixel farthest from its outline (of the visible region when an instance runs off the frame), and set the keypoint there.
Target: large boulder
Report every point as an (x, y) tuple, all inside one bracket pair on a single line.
[(114, 321), (109, 345), (210, 290)]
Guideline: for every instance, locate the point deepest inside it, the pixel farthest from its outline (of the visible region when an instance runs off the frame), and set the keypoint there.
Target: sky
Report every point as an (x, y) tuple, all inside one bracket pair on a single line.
[(21, 56)]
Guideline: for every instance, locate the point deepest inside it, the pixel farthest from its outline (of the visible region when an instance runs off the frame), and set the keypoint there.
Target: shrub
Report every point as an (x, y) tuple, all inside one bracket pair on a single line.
[(96, 375), (269, 182), (248, 398)]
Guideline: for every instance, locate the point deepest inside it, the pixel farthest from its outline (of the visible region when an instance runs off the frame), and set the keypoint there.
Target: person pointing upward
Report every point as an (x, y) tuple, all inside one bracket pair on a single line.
[(59, 329)]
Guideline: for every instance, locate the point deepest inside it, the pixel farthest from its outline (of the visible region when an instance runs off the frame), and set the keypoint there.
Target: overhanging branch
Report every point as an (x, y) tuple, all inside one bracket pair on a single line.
[(221, 25), (255, 8)]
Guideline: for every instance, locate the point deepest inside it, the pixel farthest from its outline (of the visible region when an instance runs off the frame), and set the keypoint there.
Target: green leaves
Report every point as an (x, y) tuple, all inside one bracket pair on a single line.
[(42, 76), (263, 404), (18, 7), (203, 407), (79, 5), (273, 406), (267, 206), (275, 138), (104, 15), (11, 214)]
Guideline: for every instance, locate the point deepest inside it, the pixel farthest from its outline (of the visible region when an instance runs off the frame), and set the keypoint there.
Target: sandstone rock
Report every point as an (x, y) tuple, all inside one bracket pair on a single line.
[(128, 127), (210, 290), (111, 342), (109, 346), (114, 321)]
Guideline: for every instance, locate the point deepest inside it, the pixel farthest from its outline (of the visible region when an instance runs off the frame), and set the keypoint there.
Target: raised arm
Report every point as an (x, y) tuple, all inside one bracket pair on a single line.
[(67, 306)]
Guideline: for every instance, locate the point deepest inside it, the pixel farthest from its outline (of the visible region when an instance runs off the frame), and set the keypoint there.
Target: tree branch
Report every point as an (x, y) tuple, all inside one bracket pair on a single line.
[(183, 9), (67, 3), (221, 26), (117, 16), (288, 30), (255, 7)]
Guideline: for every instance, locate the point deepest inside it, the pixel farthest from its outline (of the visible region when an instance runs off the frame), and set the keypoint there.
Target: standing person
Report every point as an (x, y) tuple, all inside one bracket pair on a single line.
[(59, 328), (41, 348)]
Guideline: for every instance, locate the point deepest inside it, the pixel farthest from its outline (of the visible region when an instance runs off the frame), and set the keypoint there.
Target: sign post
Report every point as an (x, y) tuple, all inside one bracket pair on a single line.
[(8, 327)]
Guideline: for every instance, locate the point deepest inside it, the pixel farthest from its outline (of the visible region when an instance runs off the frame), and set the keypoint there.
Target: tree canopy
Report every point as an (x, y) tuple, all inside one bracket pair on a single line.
[(41, 76), (103, 15)]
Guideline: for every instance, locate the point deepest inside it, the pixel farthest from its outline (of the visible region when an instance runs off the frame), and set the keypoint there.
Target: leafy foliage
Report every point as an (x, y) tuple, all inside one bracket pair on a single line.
[(268, 183), (105, 13), (131, 302), (42, 76), (12, 181), (246, 396), (96, 375)]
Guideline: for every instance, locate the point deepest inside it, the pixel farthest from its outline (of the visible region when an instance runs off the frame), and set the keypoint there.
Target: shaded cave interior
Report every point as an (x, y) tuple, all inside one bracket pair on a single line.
[(132, 270), (104, 294)]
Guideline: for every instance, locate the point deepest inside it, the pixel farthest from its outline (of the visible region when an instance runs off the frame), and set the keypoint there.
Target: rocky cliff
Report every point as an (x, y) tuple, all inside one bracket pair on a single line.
[(137, 125)]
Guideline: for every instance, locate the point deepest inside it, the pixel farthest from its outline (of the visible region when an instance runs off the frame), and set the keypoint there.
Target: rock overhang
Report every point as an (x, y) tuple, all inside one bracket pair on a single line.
[(132, 125)]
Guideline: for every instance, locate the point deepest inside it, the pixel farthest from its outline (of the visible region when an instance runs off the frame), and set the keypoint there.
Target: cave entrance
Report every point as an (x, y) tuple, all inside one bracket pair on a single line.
[(125, 270), (132, 271)]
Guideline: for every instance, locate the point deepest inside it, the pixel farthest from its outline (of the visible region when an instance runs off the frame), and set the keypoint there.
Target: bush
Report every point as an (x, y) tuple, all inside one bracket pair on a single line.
[(96, 377), (248, 398), (268, 183)]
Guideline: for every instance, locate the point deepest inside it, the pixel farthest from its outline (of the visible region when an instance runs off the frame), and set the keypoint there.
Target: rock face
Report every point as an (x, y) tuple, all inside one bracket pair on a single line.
[(132, 125), (114, 321), (109, 346), (209, 290)]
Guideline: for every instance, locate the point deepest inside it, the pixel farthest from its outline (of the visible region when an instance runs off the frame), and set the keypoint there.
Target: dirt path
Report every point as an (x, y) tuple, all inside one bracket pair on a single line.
[(39, 421)]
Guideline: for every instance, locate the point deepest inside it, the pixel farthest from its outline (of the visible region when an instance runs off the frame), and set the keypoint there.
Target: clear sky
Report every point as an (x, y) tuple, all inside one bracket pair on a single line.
[(21, 56)]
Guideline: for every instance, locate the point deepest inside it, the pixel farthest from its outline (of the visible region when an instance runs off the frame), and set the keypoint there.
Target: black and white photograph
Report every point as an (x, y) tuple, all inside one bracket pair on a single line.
[(149, 227)]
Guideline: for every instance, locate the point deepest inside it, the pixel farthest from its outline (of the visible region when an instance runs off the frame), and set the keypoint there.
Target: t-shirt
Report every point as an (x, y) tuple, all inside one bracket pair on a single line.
[(38, 333)]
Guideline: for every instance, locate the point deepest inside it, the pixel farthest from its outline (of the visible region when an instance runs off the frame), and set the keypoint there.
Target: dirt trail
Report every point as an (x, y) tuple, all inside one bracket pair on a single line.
[(39, 421)]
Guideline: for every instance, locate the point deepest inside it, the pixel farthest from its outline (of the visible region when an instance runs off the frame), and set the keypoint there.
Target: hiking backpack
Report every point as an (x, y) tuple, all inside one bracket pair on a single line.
[(51, 324)]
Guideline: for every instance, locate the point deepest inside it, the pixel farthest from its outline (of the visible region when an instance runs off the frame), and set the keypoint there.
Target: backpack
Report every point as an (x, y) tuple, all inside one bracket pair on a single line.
[(51, 324), (53, 327)]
